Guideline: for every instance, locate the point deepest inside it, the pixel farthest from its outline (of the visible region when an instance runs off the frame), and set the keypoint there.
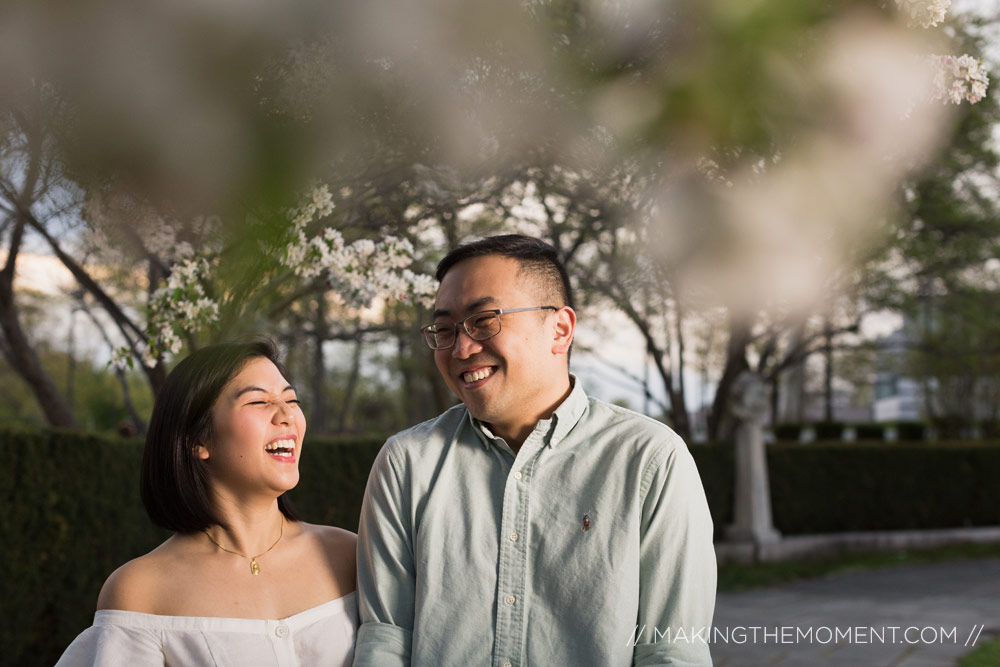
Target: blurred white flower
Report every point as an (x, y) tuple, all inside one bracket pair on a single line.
[(958, 79), (359, 272), (924, 13), (178, 307)]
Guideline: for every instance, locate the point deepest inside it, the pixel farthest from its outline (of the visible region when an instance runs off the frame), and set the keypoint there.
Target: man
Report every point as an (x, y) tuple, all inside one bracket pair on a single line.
[(530, 525)]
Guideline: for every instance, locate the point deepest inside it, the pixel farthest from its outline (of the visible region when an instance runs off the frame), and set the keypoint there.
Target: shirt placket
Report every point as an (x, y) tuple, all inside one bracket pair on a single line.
[(280, 635), (513, 557)]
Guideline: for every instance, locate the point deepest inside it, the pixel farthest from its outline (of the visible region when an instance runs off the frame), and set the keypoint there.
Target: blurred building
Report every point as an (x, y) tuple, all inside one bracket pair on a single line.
[(897, 397)]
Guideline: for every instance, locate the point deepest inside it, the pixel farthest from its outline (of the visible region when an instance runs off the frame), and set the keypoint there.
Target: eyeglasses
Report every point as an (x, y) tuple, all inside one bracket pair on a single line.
[(479, 326)]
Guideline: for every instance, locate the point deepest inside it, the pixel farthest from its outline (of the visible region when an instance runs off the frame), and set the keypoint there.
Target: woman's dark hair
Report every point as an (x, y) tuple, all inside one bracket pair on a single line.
[(174, 482)]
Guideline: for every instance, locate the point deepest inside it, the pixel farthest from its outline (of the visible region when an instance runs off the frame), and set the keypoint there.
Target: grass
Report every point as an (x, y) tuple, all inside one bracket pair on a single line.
[(737, 576), (986, 655)]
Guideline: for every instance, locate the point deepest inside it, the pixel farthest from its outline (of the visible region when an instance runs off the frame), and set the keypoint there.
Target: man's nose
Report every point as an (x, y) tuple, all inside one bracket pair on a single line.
[(465, 346)]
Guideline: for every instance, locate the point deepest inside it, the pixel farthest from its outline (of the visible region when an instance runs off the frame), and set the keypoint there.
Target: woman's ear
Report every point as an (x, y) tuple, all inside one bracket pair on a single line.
[(201, 451)]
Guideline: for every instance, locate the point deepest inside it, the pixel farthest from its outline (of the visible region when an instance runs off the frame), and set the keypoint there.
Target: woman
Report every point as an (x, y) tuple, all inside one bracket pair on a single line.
[(242, 581)]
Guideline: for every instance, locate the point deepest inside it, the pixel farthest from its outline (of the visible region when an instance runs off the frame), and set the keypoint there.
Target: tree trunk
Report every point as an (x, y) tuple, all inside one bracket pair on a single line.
[(828, 373), (317, 380), (440, 394), (678, 413), (775, 397), (793, 382), (19, 351), (411, 407), (720, 427), (352, 385), (679, 409), (140, 425), (71, 363)]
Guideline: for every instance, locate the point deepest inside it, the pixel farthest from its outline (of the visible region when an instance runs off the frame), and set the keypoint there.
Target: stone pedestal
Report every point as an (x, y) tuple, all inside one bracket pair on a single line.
[(752, 520)]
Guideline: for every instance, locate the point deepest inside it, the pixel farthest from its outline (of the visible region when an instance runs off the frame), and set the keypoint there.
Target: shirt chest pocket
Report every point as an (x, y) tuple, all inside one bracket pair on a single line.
[(581, 548), (580, 536)]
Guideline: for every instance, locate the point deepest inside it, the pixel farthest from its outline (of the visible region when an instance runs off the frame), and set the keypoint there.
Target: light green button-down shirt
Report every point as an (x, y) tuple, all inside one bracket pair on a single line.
[(591, 546)]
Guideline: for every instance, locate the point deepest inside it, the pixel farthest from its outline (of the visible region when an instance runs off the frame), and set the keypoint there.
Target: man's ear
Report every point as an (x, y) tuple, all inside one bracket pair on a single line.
[(565, 325)]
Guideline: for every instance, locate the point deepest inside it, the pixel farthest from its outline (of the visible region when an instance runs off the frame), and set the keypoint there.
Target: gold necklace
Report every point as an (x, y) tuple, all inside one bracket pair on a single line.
[(254, 567)]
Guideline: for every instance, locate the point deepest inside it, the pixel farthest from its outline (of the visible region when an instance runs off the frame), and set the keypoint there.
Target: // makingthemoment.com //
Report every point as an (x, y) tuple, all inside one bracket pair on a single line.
[(791, 634)]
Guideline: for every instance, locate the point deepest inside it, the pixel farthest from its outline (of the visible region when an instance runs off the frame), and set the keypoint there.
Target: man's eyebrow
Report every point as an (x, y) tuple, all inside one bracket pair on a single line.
[(473, 307), (246, 390)]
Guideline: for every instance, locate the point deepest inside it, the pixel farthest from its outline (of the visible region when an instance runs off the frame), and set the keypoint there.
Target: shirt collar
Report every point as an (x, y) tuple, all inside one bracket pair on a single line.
[(555, 428)]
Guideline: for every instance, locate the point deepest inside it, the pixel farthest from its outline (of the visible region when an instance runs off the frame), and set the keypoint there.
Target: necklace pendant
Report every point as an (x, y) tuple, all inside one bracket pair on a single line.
[(254, 567)]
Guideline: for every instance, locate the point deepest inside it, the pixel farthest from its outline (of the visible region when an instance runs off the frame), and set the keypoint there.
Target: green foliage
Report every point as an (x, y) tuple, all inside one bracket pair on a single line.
[(72, 515), (827, 488), (334, 473), (947, 245), (987, 654), (910, 431), (787, 432), (869, 432), (715, 465), (72, 509), (742, 576), (841, 487), (829, 430), (96, 395), (990, 428)]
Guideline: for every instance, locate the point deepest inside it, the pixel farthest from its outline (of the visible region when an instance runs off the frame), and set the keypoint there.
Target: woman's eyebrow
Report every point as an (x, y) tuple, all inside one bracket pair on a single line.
[(246, 390)]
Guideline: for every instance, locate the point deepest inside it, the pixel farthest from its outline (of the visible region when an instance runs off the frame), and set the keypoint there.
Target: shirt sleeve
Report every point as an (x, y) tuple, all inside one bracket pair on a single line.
[(677, 569), (386, 572), (113, 646)]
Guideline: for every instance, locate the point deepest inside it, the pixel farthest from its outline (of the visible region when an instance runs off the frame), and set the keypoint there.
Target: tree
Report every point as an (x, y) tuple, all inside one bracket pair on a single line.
[(943, 275), (28, 195), (783, 98)]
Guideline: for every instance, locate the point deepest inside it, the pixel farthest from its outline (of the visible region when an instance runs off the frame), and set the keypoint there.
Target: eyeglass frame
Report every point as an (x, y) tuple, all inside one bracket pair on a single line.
[(465, 327)]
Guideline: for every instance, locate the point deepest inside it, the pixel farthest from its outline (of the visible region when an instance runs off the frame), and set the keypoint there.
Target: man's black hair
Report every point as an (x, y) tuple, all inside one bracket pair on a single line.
[(537, 258)]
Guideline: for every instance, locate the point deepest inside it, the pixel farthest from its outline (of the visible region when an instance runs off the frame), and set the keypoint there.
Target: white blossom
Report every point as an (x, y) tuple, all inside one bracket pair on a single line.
[(958, 79), (179, 306), (358, 273), (924, 13)]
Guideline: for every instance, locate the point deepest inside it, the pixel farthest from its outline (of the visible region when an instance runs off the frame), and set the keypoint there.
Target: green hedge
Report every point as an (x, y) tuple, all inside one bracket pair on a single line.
[(72, 515), (824, 488), (841, 487), (869, 431), (787, 432), (828, 430), (72, 512), (715, 465)]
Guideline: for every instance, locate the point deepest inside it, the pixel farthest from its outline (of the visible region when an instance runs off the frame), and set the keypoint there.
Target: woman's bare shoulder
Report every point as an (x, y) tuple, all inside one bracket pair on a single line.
[(335, 540), (340, 553), (137, 585)]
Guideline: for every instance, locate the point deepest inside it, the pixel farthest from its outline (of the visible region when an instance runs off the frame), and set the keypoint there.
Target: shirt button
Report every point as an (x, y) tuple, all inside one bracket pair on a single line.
[(281, 631), (510, 599), (506, 664), (513, 537), (518, 475)]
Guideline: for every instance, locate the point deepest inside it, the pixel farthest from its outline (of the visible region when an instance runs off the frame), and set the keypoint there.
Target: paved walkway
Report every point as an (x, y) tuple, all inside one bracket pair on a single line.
[(937, 606)]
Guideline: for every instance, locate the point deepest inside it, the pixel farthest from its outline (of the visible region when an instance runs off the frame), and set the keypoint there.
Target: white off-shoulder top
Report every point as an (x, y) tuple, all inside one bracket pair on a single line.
[(323, 635)]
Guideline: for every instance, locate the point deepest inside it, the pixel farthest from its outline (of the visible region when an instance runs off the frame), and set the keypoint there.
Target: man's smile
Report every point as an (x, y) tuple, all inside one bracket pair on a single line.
[(475, 376)]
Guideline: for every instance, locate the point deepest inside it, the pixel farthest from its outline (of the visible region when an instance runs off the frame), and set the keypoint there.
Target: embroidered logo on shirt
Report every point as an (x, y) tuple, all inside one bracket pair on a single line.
[(586, 522)]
